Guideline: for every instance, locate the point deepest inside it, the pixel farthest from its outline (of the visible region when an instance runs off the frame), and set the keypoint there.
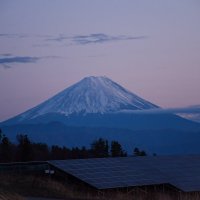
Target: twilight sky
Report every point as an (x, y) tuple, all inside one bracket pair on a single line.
[(150, 47)]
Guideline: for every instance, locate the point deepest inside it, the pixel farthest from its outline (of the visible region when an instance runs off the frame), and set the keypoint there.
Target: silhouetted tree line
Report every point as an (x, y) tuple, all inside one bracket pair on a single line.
[(26, 150)]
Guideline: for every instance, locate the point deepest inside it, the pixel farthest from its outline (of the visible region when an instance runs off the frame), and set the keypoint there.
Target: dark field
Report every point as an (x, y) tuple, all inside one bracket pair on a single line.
[(20, 187)]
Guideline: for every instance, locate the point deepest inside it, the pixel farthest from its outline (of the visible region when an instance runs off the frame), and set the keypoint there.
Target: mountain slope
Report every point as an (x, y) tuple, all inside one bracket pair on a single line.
[(98, 107), (90, 95), (100, 102)]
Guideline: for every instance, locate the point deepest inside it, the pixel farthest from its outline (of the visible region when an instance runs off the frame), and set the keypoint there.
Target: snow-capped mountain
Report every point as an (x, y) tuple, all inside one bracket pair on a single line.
[(90, 95), (98, 107), (100, 102)]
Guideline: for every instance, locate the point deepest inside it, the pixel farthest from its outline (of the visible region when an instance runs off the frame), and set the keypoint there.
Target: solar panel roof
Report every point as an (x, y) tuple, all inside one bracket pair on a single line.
[(182, 172)]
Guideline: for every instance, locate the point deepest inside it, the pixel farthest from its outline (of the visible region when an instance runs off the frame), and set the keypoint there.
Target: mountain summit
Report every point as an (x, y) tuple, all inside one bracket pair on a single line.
[(90, 95), (93, 108)]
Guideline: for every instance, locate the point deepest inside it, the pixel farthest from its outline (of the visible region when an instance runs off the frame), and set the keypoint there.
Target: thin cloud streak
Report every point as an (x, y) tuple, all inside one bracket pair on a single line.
[(58, 38), (186, 110), (10, 35), (7, 59), (19, 59), (6, 54), (95, 38), (102, 38)]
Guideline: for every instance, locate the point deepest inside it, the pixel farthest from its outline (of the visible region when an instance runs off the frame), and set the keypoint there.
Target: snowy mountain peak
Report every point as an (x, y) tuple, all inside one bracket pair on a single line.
[(90, 95), (93, 81)]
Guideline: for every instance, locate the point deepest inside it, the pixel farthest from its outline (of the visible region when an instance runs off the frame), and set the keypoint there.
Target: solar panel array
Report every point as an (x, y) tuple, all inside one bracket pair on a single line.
[(182, 172)]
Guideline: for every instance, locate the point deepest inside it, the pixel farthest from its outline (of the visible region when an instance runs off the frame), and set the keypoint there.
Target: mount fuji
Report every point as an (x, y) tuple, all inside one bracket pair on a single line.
[(91, 95), (99, 107)]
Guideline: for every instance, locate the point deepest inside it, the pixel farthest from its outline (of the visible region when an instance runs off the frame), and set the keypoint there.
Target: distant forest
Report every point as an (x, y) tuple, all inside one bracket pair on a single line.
[(26, 150)]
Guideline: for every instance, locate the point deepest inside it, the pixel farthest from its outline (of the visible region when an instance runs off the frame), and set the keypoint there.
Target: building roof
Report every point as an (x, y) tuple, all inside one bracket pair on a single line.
[(183, 172)]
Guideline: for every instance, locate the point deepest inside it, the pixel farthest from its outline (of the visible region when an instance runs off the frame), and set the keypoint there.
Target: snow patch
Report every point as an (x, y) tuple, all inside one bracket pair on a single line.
[(90, 95)]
